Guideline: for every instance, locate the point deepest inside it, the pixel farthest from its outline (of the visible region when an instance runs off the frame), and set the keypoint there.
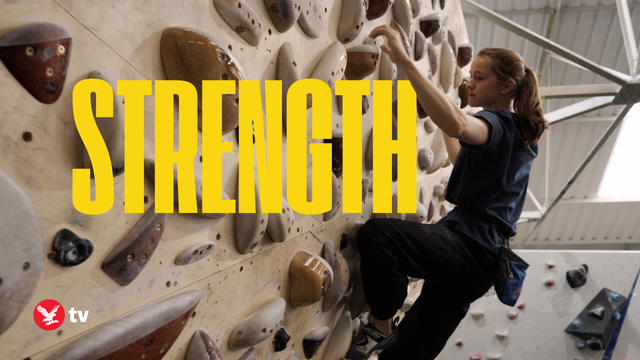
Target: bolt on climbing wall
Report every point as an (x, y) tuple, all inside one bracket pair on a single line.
[(216, 278), (549, 304)]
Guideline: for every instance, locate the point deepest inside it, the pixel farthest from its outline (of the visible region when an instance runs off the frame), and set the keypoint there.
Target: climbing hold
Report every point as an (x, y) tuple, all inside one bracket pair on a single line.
[(614, 296), (490, 356), (329, 252), (597, 312), (336, 151), (580, 345), (425, 158), (388, 69), (459, 342), (476, 357), (441, 35), (440, 154), (366, 184), (345, 241), (340, 338), (447, 66), (259, 326), (311, 277), (430, 25), (578, 276), (616, 315), (402, 15), (512, 314), (151, 329), (416, 6), (576, 324), (250, 227), (429, 126), (127, 260), (431, 210), (457, 77), (251, 354), (451, 38), (351, 20), (193, 56), (365, 104), (408, 303), (313, 340), (477, 314), (442, 4), (37, 55), (595, 344), (22, 255), (280, 339), (362, 61), (521, 306), (419, 216), (69, 250), (195, 253), (339, 283), (377, 8), (241, 18), (550, 264), (293, 356), (310, 19), (279, 224), (465, 54), (502, 334), (202, 347), (287, 73), (549, 282), (283, 13), (432, 53), (419, 46), (331, 66), (111, 128), (463, 94)]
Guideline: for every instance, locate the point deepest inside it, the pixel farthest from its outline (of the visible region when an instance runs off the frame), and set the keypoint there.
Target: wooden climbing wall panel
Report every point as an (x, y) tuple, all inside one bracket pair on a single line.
[(40, 146)]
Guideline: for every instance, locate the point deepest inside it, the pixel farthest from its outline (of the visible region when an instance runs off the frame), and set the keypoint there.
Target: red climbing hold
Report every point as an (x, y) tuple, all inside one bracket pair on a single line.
[(476, 357), (459, 342), (521, 306), (549, 282), (512, 314)]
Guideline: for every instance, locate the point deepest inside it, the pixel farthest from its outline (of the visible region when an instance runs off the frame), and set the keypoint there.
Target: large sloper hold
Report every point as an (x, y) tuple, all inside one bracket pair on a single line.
[(202, 347), (287, 72), (416, 6), (432, 52), (68, 249), (451, 38), (22, 255), (127, 260), (331, 66), (283, 13), (340, 339), (259, 326), (195, 253), (329, 253), (194, 56), (402, 15), (111, 128), (149, 171), (448, 66), (439, 149), (388, 70), (147, 332), (310, 19), (37, 55), (465, 54), (419, 216), (340, 283), (279, 224), (425, 158), (249, 227), (241, 18), (430, 24), (351, 20), (377, 8), (419, 46), (313, 340), (596, 322), (457, 78), (578, 276), (311, 277), (362, 61)]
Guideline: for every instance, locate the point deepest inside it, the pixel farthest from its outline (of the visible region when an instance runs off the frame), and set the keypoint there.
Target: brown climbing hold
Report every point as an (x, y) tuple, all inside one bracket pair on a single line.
[(195, 253), (351, 20), (465, 54), (194, 56), (339, 285), (463, 94), (311, 277), (430, 24), (521, 306), (147, 332), (310, 19), (283, 13), (259, 326), (459, 342), (241, 18), (362, 61), (22, 255), (202, 347), (313, 340), (37, 55), (127, 260), (377, 8)]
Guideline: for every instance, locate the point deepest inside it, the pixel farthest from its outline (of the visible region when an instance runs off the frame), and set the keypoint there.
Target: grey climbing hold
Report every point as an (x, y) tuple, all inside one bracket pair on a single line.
[(597, 312), (345, 241), (580, 345), (351, 20), (329, 252), (595, 344), (313, 340), (195, 253), (283, 13), (259, 326), (241, 18), (280, 339), (578, 276), (310, 19)]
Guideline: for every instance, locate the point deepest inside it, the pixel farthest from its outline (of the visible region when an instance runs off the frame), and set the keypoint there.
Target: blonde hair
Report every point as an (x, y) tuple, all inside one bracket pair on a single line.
[(508, 65)]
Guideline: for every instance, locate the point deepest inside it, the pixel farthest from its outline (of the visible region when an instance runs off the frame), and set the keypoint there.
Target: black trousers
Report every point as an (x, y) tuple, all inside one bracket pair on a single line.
[(456, 269)]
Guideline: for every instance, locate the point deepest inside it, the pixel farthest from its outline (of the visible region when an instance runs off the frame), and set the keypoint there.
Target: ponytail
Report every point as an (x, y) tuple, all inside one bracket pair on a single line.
[(508, 66)]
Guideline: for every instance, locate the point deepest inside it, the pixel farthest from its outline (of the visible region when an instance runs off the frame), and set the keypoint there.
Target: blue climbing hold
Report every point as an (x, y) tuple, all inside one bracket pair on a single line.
[(615, 297), (580, 346), (576, 324), (616, 315)]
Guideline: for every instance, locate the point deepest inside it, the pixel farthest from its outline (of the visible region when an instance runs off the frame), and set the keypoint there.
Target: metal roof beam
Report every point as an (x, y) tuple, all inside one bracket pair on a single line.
[(559, 92), (628, 37), (549, 33), (578, 109), (566, 9), (579, 171), (544, 42)]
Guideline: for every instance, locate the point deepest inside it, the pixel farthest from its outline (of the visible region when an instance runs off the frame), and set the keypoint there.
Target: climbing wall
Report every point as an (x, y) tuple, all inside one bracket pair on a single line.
[(39, 147), (537, 331)]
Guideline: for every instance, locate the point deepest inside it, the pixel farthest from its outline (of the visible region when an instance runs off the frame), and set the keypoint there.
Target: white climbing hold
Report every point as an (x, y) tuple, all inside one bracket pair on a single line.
[(502, 334), (550, 264), (491, 356), (476, 357), (512, 314), (477, 314)]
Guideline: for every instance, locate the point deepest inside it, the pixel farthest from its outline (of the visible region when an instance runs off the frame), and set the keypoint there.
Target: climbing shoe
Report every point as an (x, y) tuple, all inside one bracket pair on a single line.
[(369, 340)]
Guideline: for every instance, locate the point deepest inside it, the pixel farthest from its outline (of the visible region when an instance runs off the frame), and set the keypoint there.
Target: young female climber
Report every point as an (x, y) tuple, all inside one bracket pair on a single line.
[(492, 152)]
